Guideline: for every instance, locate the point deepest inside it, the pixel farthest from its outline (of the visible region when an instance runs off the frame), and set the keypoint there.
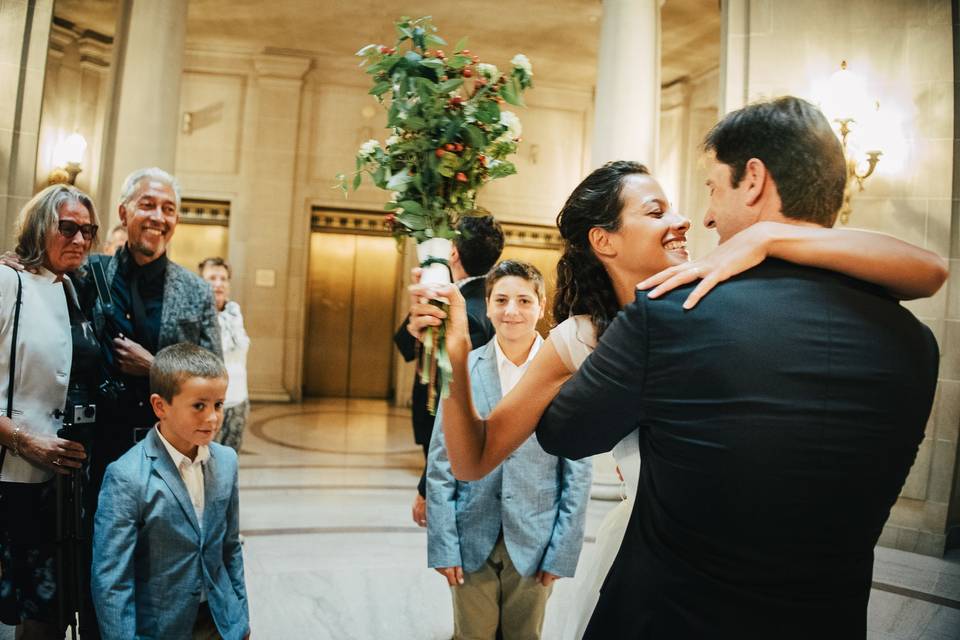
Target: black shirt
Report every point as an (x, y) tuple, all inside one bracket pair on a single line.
[(148, 282)]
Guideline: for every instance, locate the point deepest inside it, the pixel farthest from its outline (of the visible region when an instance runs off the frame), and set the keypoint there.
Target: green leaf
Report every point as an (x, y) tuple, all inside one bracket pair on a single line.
[(412, 206), (390, 206), (452, 130), (488, 112), (379, 89), (356, 181), (434, 39), (511, 92), (474, 136), (414, 123), (432, 63), (449, 85), (461, 45), (458, 62)]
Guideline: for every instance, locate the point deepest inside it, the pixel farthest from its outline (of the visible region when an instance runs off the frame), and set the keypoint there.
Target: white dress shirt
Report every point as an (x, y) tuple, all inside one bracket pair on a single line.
[(192, 473), (510, 373)]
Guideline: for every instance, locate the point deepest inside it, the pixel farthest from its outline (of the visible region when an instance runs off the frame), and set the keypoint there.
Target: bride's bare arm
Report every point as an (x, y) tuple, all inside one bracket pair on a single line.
[(906, 271), (475, 446)]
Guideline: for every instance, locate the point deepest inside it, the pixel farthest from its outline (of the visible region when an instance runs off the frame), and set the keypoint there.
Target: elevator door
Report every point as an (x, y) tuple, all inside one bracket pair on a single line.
[(353, 281)]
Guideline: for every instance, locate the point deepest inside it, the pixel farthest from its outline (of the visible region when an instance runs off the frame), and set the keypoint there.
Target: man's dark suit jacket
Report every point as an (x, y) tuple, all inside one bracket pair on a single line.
[(481, 331), (778, 420)]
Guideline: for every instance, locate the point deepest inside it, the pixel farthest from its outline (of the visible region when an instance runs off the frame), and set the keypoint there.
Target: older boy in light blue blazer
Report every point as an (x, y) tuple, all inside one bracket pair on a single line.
[(503, 540), (167, 560)]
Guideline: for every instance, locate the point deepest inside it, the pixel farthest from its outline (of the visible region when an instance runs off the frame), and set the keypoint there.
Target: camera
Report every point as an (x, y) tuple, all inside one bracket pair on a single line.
[(79, 417)]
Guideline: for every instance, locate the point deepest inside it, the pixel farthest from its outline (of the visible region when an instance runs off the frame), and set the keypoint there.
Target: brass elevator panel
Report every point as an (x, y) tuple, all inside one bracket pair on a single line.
[(349, 350)]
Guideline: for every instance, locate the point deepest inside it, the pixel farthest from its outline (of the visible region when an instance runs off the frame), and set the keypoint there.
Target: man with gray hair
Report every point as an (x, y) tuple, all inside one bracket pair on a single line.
[(155, 303)]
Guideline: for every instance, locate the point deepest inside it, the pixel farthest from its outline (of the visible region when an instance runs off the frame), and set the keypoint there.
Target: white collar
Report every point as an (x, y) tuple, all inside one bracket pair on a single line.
[(463, 281), (504, 360), (203, 452)]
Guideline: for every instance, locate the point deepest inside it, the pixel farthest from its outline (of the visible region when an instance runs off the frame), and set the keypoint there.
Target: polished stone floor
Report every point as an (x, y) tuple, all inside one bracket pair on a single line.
[(331, 551)]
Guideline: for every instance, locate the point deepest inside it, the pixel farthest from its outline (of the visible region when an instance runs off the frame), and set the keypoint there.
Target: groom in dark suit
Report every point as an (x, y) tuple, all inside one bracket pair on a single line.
[(777, 420)]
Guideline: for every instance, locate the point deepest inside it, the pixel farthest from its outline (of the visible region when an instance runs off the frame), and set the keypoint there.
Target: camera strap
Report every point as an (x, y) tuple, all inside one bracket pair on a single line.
[(100, 280), (13, 358)]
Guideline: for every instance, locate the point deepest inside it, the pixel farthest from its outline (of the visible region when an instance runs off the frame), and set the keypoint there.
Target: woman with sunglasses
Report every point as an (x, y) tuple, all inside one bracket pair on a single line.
[(56, 357)]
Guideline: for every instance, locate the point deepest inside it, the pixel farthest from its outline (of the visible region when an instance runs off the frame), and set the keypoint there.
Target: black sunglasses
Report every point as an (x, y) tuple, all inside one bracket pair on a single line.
[(69, 228)]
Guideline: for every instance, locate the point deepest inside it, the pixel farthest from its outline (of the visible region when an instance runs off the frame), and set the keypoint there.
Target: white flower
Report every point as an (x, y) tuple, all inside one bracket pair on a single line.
[(523, 62), (392, 140), (369, 148), (488, 71), (510, 120)]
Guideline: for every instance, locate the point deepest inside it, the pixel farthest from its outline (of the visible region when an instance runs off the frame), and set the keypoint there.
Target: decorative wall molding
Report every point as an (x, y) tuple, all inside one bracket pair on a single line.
[(365, 223), (281, 67), (202, 211)]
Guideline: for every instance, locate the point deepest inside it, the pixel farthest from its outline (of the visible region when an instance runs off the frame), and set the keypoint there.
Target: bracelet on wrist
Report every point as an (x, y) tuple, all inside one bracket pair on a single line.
[(16, 442)]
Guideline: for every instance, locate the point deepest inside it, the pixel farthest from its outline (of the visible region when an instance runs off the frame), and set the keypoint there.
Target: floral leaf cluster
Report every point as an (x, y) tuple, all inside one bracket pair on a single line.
[(449, 133)]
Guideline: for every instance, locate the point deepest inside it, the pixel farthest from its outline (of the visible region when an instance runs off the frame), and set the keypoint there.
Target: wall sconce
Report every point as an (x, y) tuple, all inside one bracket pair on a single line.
[(855, 116), (67, 159)]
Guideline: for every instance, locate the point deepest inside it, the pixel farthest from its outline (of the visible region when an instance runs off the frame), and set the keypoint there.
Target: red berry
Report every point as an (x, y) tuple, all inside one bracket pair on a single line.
[(441, 54), (449, 147), (383, 49), (474, 58), (443, 78), (456, 100), (458, 147), (465, 52), (461, 176), (467, 73), (439, 153)]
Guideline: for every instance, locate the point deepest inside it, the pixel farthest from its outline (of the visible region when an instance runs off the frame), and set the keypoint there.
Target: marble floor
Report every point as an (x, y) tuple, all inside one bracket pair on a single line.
[(331, 551)]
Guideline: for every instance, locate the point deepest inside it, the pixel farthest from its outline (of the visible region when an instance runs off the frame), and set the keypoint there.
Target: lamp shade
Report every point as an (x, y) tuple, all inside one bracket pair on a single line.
[(70, 150)]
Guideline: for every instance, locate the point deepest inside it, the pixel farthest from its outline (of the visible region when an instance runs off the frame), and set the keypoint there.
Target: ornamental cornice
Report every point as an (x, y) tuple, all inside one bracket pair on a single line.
[(281, 67)]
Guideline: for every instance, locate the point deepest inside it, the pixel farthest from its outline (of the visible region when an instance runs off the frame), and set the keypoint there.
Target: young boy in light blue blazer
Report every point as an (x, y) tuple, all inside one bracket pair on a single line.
[(167, 560), (503, 540)]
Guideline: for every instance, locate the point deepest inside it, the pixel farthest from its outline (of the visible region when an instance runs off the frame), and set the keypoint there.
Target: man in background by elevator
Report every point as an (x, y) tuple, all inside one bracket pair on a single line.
[(475, 251)]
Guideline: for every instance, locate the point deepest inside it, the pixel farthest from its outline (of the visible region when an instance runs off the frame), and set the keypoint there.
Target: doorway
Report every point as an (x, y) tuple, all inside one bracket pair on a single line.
[(352, 291)]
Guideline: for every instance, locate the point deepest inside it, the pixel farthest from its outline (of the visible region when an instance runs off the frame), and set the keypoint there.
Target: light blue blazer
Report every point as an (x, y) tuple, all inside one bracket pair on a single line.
[(539, 501), (150, 555)]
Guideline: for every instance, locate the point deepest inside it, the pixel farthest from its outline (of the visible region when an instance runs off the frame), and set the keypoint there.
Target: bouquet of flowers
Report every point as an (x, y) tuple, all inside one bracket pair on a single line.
[(448, 137)]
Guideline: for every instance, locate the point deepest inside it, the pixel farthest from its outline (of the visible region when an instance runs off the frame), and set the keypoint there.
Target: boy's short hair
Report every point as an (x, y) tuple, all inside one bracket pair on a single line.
[(519, 269), (176, 363)]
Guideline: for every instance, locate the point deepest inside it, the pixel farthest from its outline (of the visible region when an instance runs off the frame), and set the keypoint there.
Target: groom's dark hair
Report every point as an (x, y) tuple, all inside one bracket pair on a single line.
[(798, 147)]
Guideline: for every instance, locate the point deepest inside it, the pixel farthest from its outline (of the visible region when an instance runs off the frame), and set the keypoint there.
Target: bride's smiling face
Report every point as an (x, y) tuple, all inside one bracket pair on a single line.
[(652, 235)]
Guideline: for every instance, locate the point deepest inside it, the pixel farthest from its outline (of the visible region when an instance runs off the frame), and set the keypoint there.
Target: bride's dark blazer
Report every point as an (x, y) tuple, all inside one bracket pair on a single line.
[(778, 420)]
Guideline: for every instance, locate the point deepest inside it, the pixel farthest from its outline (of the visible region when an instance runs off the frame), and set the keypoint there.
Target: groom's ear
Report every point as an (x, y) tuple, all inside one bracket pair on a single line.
[(600, 242), (754, 181)]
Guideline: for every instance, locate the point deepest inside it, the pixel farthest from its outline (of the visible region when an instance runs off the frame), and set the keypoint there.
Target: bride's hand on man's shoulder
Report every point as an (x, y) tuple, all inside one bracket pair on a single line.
[(743, 251)]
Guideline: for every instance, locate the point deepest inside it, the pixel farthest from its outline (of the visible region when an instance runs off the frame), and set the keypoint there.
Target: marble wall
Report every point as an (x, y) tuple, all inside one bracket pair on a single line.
[(904, 51)]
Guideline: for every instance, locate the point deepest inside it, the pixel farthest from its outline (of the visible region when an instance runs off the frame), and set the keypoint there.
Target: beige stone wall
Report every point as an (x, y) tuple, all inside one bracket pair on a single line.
[(24, 33), (904, 51)]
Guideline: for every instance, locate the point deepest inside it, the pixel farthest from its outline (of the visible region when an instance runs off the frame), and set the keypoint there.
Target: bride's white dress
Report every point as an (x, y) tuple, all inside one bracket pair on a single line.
[(574, 339)]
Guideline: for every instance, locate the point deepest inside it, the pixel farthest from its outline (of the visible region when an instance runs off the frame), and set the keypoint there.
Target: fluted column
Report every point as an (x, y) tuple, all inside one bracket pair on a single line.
[(145, 86), (627, 105), (24, 34), (266, 240)]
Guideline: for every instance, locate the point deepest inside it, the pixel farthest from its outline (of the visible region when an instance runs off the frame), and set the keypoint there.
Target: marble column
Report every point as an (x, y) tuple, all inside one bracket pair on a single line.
[(270, 249), (627, 105), (143, 116), (24, 34), (734, 54), (627, 122)]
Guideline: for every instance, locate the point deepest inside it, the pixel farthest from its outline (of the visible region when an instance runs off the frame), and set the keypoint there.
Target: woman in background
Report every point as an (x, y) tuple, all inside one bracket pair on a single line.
[(236, 343)]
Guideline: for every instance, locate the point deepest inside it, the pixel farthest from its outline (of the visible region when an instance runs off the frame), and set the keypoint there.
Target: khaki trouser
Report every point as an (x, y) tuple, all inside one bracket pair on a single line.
[(496, 596), (205, 628)]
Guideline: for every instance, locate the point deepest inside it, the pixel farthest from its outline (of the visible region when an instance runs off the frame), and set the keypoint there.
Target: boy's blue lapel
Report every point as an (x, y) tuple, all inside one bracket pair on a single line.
[(163, 464), (486, 377), (210, 484)]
